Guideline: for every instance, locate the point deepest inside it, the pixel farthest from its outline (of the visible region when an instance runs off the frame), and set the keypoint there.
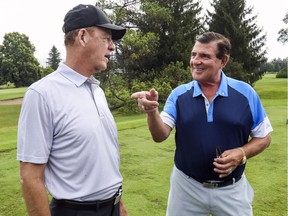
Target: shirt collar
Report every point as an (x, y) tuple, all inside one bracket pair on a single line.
[(74, 76), (222, 89)]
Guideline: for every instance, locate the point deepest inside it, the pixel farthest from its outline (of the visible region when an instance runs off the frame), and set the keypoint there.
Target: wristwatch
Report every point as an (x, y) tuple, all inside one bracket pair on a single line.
[(244, 159)]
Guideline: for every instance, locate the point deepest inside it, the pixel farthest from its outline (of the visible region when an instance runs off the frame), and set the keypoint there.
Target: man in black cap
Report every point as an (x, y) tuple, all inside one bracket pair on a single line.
[(67, 137)]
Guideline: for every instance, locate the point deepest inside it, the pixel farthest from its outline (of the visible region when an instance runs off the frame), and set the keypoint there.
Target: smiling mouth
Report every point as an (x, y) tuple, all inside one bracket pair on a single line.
[(198, 69)]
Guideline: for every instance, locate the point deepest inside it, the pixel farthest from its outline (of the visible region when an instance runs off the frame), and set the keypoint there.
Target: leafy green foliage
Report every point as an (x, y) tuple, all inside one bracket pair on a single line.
[(235, 69), (118, 95), (146, 55), (175, 74), (139, 51), (18, 64), (282, 73), (45, 71)]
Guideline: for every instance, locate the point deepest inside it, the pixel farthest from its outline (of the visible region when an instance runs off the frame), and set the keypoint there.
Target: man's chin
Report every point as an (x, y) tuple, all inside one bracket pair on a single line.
[(196, 76), (100, 69)]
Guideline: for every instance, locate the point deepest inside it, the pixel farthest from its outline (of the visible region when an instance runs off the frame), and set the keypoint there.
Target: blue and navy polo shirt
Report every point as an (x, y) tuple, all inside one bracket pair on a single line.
[(233, 115)]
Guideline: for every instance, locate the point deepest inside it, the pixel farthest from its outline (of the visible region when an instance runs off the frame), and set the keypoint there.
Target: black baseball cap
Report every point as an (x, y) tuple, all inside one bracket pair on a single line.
[(83, 16)]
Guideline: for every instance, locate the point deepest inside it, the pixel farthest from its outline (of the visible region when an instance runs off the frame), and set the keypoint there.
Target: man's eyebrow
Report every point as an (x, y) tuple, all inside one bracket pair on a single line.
[(201, 54)]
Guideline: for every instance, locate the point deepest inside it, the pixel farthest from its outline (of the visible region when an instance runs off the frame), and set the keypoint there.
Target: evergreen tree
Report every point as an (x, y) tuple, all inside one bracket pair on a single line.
[(234, 20), (54, 58)]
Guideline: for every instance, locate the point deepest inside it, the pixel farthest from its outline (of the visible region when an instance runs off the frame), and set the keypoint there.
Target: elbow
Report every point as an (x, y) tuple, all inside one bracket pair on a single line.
[(24, 184), (31, 173), (161, 134), (24, 180), (21, 181), (158, 139), (269, 139)]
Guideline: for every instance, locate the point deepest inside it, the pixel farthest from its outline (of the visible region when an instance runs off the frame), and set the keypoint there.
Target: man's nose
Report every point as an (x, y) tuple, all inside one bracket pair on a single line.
[(112, 46), (195, 61)]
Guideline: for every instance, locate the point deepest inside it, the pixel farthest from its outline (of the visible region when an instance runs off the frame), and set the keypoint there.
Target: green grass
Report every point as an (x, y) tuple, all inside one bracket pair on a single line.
[(146, 166), (267, 172), (272, 91), (12, 93), (8, 128)]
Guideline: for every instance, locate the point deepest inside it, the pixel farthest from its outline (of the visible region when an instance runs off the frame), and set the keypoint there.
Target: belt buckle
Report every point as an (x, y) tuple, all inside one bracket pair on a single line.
[(118, 196), (210, 184)]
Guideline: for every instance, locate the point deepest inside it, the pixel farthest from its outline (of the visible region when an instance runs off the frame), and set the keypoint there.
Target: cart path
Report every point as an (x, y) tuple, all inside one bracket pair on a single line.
[(11, 102)]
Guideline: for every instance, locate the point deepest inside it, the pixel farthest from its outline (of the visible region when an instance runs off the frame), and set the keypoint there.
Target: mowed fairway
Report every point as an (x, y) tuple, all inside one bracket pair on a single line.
[(146, 165)]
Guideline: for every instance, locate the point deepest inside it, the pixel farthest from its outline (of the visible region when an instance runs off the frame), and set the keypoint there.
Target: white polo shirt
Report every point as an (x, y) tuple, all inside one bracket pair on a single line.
[(63, 125)]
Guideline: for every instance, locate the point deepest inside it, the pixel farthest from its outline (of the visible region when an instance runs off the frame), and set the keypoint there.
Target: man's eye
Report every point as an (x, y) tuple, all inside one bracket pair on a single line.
[(107, 39)]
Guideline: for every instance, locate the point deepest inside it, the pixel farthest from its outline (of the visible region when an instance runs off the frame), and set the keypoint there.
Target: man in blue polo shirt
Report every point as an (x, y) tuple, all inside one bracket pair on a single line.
[(215, 116)]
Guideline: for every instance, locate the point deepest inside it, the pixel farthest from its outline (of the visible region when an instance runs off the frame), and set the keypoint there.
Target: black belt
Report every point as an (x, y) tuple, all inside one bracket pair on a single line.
[(214, 184), (90, 205)]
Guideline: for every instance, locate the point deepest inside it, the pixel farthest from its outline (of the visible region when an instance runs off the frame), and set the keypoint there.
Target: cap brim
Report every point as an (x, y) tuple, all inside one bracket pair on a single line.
[(117, 31)]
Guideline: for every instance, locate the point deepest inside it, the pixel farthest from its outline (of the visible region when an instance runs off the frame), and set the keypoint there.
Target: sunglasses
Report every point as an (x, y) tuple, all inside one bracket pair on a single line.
[(218, 152)]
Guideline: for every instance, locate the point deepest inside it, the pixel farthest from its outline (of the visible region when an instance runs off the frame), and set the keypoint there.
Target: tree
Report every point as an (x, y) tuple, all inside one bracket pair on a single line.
[(18, 63), (283, 33), (164, 30), (159, 38), (275, 65), (279, 64), (177, 22), (138, 65), (158, 41), (54, 58), (233, 19)]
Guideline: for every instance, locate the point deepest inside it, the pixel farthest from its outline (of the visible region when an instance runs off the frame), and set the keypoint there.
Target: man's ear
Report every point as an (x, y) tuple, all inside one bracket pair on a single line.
[(225, 60), (81, 37)]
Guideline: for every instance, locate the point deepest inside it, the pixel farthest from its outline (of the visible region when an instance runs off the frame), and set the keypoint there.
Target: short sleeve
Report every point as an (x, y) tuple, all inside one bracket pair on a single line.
[(34, 139)]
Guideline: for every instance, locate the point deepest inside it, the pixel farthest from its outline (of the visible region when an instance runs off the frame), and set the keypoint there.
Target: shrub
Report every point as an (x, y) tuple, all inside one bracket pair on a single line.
[(282, 73)]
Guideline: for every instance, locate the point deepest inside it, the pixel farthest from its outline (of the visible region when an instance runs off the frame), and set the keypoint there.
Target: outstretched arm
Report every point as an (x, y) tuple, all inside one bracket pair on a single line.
[(148, 103)]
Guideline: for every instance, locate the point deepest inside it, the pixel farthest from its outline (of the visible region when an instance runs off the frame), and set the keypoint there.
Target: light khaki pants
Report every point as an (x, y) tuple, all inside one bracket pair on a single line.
[(187, 197)]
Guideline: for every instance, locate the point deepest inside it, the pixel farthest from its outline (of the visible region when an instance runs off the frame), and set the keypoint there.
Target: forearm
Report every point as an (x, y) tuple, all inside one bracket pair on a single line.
[(232, 158), (36, 198), (256, 146), (158, 129), (33, 189), (123, 211)]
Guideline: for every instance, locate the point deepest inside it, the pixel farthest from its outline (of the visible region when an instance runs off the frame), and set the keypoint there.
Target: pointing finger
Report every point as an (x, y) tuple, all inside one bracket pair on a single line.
[(137, 95)]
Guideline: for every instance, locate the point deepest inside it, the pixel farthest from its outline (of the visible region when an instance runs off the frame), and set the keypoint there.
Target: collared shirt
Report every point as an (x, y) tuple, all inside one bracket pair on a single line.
[(234, 114), (65, 122)]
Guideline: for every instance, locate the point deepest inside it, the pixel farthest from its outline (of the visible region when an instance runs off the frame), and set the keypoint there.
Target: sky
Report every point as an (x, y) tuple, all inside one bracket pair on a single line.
[(42, 20)]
